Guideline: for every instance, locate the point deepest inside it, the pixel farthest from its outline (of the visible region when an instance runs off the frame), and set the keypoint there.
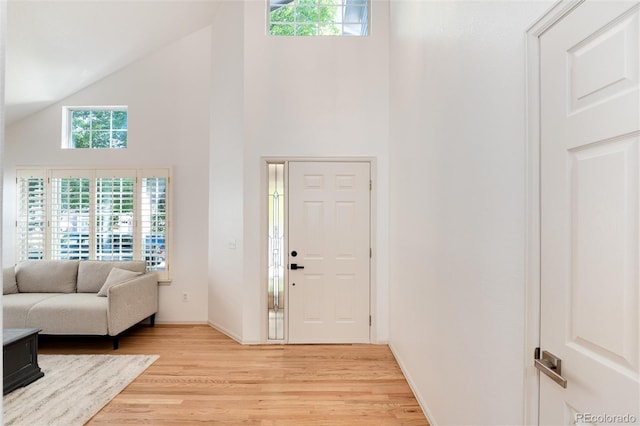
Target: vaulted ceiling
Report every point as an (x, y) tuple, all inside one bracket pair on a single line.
[(55, 48)]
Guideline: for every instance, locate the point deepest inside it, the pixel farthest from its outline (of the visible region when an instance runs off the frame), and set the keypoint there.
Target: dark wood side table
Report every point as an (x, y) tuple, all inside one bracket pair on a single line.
[(20, 358)]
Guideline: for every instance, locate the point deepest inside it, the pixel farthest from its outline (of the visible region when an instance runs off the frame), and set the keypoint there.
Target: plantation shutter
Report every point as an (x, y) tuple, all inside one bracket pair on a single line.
[(71, 215), (154, 219), (114, 215), (101, 214), (31, 217)]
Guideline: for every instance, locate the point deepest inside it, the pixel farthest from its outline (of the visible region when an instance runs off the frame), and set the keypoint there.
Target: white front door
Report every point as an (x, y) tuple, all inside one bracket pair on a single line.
[(590, 214), (329, 252)]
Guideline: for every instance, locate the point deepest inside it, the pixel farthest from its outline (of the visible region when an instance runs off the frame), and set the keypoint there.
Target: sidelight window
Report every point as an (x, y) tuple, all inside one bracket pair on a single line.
[(276, 250)]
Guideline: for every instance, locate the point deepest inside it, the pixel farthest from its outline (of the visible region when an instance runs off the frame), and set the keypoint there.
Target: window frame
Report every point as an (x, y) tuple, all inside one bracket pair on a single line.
[(366, 5), (45, 237), (67, 131)]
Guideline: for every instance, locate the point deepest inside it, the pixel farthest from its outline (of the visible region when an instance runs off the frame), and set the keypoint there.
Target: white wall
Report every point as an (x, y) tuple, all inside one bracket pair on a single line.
[(168, 94), (3, 26), (226, 168), (304, 97), (457, 191)]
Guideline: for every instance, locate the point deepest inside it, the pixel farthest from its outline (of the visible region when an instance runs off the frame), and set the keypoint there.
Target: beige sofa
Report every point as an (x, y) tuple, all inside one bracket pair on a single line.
[(71, 297)]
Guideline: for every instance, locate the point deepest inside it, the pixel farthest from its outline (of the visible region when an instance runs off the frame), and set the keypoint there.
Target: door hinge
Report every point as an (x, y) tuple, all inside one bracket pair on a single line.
[(369, 320), (370, 185), (370, 252)]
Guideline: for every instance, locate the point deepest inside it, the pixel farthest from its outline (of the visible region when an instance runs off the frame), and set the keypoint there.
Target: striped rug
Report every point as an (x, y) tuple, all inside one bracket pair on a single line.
[(74, 388)]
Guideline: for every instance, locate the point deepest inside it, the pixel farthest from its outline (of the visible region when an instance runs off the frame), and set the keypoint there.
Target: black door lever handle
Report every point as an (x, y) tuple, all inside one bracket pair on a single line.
[(295, 266)]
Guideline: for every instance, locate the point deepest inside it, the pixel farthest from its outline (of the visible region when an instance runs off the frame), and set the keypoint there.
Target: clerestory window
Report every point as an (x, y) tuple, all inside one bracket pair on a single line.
[(318, 17), (95, 127)]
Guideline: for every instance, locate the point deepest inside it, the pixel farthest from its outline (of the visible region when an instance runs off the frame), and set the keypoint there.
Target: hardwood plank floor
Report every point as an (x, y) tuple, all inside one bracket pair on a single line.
[(203, 376)]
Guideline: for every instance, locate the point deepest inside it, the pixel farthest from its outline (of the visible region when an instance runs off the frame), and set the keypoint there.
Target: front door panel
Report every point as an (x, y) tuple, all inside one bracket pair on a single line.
[(329, 233)]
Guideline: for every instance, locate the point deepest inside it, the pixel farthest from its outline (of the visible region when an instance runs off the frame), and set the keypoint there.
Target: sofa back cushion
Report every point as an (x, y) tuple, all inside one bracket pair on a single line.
[(47, 276), (93, 273), (9, 285)]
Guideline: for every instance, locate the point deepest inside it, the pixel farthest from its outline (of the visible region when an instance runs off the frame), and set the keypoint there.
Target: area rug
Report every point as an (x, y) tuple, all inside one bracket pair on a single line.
[(74, 388)]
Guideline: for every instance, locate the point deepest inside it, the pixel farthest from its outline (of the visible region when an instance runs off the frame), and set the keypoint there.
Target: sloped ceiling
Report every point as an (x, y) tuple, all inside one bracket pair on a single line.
[(56, 48)]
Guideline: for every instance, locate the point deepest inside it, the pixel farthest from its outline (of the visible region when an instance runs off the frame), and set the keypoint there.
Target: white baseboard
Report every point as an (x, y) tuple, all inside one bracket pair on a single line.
[(210, 324), (226, 332), (414, 389)]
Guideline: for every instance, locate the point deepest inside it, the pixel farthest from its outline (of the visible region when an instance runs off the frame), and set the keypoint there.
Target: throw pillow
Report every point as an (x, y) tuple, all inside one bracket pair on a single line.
[(116, 276), (9, 285)]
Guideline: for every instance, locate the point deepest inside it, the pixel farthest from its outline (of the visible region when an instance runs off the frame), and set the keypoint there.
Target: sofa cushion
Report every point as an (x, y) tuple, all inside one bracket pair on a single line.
[(93, 273), (9, 285), (47, 276), (72, 313), (16, 307), (117, 276)]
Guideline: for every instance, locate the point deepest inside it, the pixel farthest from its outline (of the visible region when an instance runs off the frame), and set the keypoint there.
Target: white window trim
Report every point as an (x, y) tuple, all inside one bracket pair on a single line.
[(139, 173), (340, 24), (66, 122)]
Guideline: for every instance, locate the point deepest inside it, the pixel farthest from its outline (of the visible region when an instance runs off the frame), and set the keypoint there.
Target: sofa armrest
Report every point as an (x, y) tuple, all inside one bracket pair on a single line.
[(131, 302)]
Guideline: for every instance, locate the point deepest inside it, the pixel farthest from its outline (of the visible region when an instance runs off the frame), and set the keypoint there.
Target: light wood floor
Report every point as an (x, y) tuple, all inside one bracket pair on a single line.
[(205, 377)]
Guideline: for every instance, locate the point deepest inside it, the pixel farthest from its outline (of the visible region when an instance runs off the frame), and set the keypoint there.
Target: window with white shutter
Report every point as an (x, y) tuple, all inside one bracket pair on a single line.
[(114, 209), (31, 218), (96, 214), (70, 215), (154, 219)]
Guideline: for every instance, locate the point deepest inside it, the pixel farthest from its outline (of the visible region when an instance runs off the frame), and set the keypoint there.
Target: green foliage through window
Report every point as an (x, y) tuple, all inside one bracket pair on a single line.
[(96, 128), (318, 17)]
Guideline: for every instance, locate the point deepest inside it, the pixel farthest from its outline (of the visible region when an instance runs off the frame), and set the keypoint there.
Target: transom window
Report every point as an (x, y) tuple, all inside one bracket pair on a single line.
[(94, 214), (318, 17), (95, 127)]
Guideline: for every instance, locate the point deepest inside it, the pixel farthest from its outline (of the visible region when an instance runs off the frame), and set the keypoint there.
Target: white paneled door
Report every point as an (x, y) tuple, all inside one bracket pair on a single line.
[(590, 215), (329, 252)]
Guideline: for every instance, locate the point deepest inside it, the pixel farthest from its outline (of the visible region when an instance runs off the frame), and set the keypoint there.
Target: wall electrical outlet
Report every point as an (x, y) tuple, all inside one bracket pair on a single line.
[(185, 296)]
